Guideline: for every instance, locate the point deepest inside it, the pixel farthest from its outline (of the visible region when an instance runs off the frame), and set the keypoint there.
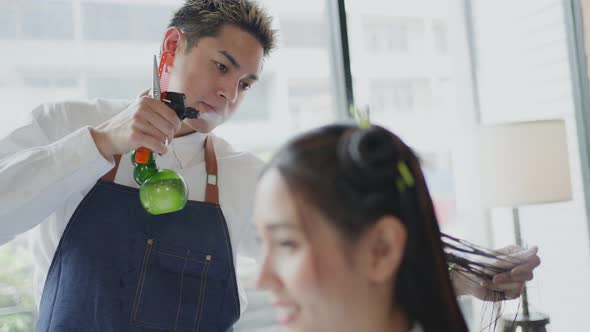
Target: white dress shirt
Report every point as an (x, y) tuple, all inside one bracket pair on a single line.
[(51, 162)]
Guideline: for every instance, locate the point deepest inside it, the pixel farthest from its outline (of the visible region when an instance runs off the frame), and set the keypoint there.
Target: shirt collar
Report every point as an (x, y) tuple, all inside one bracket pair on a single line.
[(188, 148)]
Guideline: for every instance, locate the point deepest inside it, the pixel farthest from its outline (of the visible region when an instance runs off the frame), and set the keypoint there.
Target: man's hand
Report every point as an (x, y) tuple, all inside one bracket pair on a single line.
[(510, 283), (147, 122)]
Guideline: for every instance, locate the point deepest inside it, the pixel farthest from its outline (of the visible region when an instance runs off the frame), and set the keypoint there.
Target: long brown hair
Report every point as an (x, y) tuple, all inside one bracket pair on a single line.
[(354, 176)]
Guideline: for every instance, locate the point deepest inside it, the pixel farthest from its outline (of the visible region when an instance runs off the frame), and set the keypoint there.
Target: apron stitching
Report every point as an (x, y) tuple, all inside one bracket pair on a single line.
[(202, 296), (183, 257), (230, 255), (139, 289), (180, 295)]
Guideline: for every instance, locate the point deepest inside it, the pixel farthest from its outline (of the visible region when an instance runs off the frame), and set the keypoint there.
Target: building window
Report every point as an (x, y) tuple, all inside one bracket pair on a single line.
[(386, 37), (30, 19), (439, 32), (392, 96), (310, 102), (49, 80), (8, 19), (304, 33), (116, 86), (124, 22), (255, 107)]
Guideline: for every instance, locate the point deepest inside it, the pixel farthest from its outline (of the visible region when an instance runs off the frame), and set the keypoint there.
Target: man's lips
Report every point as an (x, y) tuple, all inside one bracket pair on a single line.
[(207, 107)]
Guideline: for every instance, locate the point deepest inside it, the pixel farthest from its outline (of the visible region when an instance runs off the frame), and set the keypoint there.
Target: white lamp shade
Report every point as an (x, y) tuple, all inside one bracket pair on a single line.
[(524, 163)]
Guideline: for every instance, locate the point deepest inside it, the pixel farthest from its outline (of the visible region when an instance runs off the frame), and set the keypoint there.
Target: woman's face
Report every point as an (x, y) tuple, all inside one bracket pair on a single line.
[(316, 284)]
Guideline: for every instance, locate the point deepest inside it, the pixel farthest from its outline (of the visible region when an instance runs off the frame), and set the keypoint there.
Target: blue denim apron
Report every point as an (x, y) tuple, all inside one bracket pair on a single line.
[(118, 268)]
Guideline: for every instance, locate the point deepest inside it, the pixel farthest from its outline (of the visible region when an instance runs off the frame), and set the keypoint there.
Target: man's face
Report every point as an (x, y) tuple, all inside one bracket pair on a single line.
[(216, 74)]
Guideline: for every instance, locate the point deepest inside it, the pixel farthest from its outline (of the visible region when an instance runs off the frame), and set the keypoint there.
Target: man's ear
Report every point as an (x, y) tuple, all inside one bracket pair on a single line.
[(174, 40), (383, 248)]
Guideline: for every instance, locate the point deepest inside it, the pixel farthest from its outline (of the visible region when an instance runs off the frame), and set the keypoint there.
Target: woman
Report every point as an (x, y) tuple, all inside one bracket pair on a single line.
[(351, 241)]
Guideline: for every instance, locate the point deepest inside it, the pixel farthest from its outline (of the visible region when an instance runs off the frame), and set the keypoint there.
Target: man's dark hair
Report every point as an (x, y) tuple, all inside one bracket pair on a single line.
[(206, 18)]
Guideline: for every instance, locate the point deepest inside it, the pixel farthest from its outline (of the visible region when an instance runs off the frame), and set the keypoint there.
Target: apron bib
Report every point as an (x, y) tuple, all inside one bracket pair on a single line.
[(118, 268)]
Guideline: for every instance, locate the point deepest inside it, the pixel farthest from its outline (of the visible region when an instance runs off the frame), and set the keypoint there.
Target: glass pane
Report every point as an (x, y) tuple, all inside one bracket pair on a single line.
[(81, 49), (523, 67), (51, 20), (296, 89), (8, 19), (401, 70), (126, 22)]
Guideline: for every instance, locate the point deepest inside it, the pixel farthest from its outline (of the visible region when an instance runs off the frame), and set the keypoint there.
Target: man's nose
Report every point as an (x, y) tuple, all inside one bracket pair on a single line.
[(228, 90)]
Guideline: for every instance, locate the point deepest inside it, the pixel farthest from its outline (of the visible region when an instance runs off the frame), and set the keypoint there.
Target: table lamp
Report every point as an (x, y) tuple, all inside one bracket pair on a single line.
[(524, 163)]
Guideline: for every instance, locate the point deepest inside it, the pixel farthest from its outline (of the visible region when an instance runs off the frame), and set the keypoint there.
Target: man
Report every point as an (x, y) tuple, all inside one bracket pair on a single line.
[(103, 263)]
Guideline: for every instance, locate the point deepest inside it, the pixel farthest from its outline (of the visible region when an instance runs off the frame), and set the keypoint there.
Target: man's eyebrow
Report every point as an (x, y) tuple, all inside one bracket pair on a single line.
[(236, 64), (252, 77), (231, 59)]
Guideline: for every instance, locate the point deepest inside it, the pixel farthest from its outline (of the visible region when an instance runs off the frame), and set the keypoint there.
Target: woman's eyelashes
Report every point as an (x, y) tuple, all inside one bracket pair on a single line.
[(286, 244)]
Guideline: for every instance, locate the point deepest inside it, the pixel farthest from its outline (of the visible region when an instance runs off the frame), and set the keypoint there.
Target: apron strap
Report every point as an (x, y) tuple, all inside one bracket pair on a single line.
[(110, 176), (211, 191)]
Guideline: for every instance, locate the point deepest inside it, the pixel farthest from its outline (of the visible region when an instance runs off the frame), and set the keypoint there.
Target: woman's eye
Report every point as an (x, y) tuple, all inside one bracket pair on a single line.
[(288, 244), (244, 86), (221, 67)]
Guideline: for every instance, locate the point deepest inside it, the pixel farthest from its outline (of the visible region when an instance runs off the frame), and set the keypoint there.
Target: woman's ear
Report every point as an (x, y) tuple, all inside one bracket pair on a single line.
[(383, 247), (174, 39)]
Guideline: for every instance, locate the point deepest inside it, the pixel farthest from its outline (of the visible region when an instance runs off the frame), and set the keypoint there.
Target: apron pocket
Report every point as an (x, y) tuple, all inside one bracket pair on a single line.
[(171, 289)]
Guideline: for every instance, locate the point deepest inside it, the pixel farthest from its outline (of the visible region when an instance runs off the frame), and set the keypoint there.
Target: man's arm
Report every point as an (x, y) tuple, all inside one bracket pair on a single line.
[(37, 175), (38, 172)]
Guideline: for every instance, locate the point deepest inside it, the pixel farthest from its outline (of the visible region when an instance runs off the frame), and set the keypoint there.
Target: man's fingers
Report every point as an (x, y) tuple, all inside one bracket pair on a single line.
[(510, 286), (501, 278), (165, 128), (509, 249), (165, 112), (530, 265), (149, 130), (150, 142), (509, 278)]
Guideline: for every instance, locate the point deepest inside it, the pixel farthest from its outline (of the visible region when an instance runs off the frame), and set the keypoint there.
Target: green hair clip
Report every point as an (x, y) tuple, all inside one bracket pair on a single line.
[(361, 115), (406, 180)]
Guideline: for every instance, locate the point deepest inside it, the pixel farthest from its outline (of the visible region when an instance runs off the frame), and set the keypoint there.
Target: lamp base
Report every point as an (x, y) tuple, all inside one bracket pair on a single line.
[(534, 322)]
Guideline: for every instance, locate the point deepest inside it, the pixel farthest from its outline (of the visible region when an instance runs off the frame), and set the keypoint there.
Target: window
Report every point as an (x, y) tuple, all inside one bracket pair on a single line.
[(8, 15), (439, 31), (310, 101), (113, 21), (256, 105), (385, 37), (396, 96), (524, 74), (47, 80), (48, 20), (95, 48), (115, 86), (303, 33), (29, 19), (398, 71)]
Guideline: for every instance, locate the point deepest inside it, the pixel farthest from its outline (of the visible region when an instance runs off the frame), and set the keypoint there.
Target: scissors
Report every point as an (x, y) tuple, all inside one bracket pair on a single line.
[(174, 100)]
